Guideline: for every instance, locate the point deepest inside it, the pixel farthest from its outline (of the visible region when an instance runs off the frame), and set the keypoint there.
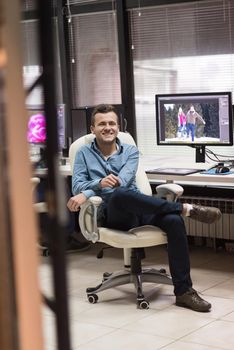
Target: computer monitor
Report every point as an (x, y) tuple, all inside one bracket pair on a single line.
[(61, 121), (36, 136), (37, 126), (195, 119), (36, 132)]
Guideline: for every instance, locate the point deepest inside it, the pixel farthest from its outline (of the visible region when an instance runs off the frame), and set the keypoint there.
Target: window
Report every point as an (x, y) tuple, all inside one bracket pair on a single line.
[(179, 48), (94, 59), (32, 61)]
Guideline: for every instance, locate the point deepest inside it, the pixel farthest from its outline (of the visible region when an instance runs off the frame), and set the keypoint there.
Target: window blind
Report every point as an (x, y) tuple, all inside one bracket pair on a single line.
[(93, 55), (31, 5), (179, 48), (28, 5), (87, 1), (32, 61)]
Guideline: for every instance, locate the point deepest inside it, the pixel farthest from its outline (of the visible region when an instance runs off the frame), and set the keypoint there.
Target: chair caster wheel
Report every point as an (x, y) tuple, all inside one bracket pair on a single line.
[(92, 298), (107, 274), (162, 271), (143, 304)]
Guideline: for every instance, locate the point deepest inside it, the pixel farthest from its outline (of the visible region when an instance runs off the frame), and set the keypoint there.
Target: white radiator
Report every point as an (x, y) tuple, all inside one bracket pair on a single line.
[(224, 228)]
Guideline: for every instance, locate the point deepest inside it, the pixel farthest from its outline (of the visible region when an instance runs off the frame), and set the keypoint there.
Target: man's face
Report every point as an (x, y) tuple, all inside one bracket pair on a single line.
[(106, 127)]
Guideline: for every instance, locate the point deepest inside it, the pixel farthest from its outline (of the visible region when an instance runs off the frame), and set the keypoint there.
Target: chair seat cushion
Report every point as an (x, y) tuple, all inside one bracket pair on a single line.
[(143, 236)]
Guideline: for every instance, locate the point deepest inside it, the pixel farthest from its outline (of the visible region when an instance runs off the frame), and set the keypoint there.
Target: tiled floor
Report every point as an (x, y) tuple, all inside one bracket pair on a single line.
[(115, 322)]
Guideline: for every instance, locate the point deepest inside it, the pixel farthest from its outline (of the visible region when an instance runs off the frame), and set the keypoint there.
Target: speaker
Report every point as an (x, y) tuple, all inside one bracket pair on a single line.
[(81, 120)]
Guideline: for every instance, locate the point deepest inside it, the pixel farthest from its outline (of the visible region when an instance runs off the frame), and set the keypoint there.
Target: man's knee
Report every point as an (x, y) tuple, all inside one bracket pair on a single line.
[(173, 224), (118, 196), (119, 192)]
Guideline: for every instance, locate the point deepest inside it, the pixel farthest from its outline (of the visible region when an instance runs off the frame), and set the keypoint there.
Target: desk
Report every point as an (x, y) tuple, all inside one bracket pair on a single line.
[(65, 170), (192, 179), (202, 179)]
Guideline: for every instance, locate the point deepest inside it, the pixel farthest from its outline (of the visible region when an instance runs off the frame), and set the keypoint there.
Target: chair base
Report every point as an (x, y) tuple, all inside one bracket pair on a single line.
[(119, 278)]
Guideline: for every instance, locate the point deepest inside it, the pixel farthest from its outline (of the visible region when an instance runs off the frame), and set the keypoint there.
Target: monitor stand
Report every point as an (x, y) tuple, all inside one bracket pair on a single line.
[(200, 154)]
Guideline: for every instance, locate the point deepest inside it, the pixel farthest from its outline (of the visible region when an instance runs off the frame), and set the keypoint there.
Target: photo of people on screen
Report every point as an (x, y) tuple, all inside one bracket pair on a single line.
[(182, 124), (187, 122)]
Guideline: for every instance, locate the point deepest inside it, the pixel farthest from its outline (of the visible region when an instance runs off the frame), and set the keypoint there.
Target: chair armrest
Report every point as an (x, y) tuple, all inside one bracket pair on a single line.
[(169, 191), (88, 218), (40, 207)]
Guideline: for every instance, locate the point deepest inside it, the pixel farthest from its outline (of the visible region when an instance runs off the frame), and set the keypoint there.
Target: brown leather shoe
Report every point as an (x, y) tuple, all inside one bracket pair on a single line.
[(207, 215), (193, 301)]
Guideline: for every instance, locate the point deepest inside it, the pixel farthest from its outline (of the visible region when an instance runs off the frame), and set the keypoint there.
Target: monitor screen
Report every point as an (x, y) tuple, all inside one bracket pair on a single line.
[(196, 119), (36, 133)]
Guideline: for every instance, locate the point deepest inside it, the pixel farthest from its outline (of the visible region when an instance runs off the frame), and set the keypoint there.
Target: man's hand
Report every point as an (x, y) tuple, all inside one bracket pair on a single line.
[(75, 202), (110, 181)]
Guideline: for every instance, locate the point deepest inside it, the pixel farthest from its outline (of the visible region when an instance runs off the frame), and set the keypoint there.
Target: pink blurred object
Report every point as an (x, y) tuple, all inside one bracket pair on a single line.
[(37, 129)]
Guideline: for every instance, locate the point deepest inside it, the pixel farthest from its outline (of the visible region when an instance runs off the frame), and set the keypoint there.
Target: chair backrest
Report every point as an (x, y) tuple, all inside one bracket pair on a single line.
[(141, 177)]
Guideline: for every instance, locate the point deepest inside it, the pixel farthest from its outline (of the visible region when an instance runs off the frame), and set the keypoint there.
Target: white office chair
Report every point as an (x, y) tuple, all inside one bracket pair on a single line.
[(40, 207), (140, 237)]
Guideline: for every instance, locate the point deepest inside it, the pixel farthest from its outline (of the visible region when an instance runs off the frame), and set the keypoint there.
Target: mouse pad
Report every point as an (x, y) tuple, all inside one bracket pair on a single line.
[(212, 172)]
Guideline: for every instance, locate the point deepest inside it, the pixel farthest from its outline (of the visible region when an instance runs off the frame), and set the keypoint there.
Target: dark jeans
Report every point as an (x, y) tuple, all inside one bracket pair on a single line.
[(191, 128), (127, 209)]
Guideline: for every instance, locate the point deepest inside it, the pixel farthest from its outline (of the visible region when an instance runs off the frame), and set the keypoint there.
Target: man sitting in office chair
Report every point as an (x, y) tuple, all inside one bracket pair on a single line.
[(107, 168)]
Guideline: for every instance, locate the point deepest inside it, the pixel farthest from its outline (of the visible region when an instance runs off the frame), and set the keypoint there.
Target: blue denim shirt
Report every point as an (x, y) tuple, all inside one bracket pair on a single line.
[(90, 167)]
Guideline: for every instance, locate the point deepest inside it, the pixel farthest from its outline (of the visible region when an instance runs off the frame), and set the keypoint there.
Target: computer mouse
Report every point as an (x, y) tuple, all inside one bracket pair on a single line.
[(222, 169)]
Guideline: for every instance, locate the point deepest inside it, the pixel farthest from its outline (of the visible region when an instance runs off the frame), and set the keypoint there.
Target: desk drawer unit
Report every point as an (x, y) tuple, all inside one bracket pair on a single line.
[(223, 229)]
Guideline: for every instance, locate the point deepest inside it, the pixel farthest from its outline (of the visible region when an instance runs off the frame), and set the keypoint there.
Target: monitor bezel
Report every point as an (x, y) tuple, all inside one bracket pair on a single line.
[(32, 109), (195, 94)]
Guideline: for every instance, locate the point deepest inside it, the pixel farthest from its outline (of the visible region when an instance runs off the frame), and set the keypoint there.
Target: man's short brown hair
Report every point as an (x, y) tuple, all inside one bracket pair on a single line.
[(103, 108)]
